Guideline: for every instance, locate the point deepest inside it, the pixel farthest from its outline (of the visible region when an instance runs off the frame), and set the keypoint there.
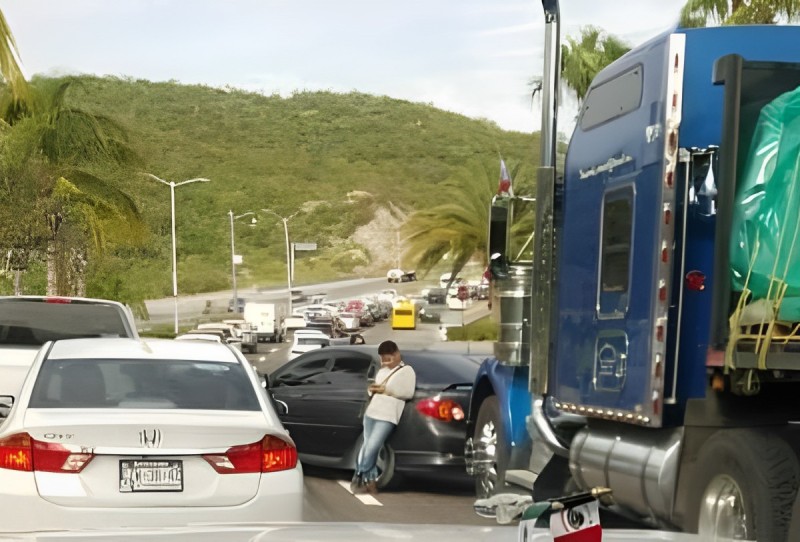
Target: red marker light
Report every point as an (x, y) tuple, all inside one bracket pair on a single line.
[(695, 280)]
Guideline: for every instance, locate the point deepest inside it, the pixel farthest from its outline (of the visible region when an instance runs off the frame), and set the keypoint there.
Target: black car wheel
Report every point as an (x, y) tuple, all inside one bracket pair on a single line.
[(489, 441), (385, 463)]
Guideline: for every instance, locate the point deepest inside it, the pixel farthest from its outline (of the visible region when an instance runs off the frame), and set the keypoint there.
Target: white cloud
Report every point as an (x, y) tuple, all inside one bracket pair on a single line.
[(468, 56)]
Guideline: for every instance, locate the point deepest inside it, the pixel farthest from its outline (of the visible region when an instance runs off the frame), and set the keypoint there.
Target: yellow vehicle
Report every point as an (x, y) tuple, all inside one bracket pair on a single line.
[(404, 314)]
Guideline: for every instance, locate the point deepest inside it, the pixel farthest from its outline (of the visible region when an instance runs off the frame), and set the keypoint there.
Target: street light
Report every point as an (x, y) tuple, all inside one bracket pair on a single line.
[(285, 220), (172, 186), (233, 256)]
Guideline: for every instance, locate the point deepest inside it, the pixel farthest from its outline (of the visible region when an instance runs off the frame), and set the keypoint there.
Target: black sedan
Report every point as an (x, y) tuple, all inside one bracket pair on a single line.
[(320, 397)]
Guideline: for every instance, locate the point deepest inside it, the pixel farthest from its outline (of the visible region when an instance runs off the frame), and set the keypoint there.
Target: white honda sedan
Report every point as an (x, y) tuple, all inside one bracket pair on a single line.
[(126, 432)]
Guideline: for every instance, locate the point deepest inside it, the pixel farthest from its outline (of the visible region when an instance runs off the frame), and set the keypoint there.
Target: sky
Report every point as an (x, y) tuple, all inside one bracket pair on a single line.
[(473, 57)]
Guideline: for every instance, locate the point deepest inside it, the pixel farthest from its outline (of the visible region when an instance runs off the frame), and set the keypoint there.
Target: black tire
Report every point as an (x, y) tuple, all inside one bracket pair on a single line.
[(755, 474), (489, 435), (388, 477)]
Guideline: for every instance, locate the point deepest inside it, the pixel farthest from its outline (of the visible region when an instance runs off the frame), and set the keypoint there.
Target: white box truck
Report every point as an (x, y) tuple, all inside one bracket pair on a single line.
[(267, 320)]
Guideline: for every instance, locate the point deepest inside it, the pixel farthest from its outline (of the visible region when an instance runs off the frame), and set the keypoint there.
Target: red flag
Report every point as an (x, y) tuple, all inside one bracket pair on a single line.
[(504, 186)]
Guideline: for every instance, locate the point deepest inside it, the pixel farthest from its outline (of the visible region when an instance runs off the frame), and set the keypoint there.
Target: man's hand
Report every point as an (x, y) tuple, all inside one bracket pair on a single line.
[(376, 388)]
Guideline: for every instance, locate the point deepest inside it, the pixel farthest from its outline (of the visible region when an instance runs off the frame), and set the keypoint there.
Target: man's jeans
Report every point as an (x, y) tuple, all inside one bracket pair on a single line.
[(375, 434)]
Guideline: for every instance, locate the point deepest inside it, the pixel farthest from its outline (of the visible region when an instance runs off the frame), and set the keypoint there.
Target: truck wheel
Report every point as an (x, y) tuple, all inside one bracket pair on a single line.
[(745, 485), (388, 476), (489, 440)]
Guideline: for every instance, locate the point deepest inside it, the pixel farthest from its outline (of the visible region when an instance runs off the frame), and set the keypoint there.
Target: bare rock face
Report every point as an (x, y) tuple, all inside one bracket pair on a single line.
[(381, 239)]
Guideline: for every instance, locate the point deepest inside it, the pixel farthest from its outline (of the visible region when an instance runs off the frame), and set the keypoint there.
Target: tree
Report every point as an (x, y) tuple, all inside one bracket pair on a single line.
[(19, 94), (698, 13), (582, 60), (78, 153), (459, 228)]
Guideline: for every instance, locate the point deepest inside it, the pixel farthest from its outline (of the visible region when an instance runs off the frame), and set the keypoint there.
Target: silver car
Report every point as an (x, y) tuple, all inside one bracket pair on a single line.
[(125, 432)]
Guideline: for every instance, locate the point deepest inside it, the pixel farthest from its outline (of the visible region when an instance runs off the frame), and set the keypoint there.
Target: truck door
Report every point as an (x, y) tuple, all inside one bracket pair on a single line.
[(615, 249)]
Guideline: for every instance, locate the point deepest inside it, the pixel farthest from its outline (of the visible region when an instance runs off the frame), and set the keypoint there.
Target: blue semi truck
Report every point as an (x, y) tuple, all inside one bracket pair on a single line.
[(649, 335)]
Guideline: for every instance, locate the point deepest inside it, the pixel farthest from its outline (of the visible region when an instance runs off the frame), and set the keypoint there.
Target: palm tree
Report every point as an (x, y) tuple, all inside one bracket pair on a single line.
[(81, 208), (582, 59), (697, 13), (12, 73), (458, 228)]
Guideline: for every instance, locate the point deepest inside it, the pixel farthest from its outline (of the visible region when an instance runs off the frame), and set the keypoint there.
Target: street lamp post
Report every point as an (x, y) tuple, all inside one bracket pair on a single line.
[(285, 220), (233, 257), (172, 186)]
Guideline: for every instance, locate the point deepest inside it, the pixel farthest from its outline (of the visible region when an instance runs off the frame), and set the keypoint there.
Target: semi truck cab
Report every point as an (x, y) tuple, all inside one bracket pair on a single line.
[(658, 320)]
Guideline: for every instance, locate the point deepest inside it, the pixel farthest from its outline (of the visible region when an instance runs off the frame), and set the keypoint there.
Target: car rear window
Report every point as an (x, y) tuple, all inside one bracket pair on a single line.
[(313, 341), (132, 383), (29, 322), (437, 368)]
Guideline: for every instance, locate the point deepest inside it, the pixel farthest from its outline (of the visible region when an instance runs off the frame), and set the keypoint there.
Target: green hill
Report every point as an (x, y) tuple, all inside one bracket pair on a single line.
[(340, 159)]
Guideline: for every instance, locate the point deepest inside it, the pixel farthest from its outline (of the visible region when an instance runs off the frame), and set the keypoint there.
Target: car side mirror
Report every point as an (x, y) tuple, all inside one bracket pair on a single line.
[(264, 379), (6, 402)]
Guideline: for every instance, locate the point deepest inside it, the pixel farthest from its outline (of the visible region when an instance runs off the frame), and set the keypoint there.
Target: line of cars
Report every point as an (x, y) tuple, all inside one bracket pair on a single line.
[(115, 430), (104, 429)]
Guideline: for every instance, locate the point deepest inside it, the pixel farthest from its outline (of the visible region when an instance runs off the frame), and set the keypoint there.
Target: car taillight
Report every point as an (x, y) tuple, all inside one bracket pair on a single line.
[(21, 452), (270, 454), (16, 453), (441, 409), (51, 457)]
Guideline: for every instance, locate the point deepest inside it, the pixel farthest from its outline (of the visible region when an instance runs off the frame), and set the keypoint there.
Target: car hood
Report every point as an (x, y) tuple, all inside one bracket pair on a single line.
[(333, 532)]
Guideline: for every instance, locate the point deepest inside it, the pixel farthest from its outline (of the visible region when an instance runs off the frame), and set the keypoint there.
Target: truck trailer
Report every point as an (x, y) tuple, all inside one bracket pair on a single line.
[(649, 340)]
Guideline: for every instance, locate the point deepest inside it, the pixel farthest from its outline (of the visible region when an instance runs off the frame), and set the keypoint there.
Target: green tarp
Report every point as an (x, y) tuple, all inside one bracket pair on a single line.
[(765, 220)]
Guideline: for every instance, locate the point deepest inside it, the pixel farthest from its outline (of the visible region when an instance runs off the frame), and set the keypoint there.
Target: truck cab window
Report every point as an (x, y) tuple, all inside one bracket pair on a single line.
[(615, 249), (612, 99)]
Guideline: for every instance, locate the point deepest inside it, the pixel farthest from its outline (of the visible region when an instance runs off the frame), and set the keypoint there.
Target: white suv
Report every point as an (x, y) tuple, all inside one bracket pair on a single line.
[(27, 322)]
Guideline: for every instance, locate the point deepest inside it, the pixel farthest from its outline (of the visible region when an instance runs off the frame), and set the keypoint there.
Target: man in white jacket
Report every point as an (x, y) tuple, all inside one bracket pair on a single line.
[(394, 385)]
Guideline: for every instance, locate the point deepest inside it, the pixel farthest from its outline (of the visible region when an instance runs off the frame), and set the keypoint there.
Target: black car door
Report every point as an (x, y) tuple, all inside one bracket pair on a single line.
[(324, 404), (299, 389)]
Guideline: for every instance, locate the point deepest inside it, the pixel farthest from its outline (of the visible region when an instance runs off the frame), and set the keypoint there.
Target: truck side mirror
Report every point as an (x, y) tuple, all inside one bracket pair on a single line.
[(498, 237)]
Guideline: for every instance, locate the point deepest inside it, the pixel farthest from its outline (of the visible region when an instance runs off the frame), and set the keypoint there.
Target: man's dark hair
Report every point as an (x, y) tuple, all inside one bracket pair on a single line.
[(387, 347)]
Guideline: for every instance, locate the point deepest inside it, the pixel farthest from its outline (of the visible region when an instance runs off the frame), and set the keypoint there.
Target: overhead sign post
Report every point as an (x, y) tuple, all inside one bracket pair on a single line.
[(300, 246)]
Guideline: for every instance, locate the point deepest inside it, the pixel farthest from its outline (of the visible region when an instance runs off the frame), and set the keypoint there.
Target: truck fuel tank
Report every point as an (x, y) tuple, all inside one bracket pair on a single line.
[(511, 303)]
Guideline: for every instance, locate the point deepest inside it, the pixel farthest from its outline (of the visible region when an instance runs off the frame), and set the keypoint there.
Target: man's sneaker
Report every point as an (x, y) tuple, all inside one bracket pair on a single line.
[(356, 486)]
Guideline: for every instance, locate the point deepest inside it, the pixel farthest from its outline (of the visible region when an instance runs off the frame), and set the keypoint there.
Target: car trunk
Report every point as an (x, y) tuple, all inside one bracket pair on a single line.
[(146, 458)]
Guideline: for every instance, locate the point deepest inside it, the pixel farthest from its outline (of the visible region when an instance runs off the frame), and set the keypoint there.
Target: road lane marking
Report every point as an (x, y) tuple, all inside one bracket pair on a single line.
[(365, 498)]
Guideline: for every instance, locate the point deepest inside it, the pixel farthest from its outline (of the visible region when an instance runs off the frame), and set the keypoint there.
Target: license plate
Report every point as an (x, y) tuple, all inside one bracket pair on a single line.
[(150, 475)]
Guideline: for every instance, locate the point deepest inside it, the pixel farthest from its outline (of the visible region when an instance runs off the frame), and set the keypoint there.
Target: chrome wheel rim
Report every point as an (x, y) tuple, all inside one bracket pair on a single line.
[(722, 511), (486, 445)]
